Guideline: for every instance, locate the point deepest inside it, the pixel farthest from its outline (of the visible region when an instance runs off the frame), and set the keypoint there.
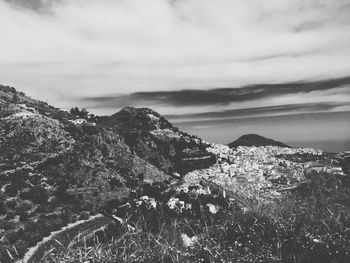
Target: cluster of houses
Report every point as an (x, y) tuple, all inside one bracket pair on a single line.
[(258, 171)]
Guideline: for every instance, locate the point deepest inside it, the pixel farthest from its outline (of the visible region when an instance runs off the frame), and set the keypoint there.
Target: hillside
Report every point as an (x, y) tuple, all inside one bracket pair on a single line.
[(51, 167), (255, 140), (156, 140), (132, 187)]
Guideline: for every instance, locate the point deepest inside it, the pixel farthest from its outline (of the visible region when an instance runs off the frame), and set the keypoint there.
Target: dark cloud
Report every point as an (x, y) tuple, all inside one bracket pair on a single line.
[(37, 5), (222, 96), (257, 111)]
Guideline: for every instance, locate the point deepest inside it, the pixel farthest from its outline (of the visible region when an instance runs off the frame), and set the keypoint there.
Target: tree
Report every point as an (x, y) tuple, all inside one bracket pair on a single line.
[(15, 98), (75, 111), (84, 113)]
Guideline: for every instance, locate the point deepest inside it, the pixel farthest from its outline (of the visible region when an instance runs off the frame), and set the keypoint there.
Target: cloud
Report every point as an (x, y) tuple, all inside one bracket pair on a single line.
[(65, 49), (223, 96), (37, 5), (268, 111)]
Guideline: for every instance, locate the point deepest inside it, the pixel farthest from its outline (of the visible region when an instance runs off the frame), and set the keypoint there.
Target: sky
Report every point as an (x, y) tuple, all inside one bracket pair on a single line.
[(195, 61)]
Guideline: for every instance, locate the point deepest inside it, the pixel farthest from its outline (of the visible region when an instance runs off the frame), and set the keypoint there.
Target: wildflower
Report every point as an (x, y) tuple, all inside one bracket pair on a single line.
[(212, 208), (317, 240), (187, 241)]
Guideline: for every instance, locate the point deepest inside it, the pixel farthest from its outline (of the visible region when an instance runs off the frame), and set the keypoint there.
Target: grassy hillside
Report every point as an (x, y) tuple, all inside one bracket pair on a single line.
[(312, 224)]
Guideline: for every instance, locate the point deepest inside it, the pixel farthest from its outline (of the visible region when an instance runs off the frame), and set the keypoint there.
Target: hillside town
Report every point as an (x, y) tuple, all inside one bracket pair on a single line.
[(263, 172)]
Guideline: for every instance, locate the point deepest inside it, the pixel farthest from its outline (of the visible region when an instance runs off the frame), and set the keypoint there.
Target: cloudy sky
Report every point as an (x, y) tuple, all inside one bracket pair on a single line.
[(200, 59)]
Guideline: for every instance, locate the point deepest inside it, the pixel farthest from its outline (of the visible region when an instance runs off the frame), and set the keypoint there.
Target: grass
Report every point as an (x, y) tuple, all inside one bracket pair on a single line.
[(64, 239), (310, 225)]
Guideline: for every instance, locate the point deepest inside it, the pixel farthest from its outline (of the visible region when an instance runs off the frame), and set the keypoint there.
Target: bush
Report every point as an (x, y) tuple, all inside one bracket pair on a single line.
[(24, 206), (36, 194), (84, 215), (6, 225), (86, 205), (12, 190), (11, 203), (32, 237), (23, 210), (15, 235), (45, 227), (10, 215)]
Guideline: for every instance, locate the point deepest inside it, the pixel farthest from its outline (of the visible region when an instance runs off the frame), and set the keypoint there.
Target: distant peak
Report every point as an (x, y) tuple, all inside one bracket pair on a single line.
[(255, 140)]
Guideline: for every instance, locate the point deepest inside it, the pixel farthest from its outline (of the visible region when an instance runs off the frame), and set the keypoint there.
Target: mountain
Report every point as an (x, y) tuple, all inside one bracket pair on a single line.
[(62, 165), (133, 177), (66, 164), (46, 139), (255, 140), (156, 140)]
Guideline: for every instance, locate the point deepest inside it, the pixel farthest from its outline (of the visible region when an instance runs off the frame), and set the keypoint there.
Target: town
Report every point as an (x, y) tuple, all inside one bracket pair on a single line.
[(263, 172)]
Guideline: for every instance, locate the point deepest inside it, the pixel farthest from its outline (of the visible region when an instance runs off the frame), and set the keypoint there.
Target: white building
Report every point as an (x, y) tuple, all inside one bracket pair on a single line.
[(78, 121)]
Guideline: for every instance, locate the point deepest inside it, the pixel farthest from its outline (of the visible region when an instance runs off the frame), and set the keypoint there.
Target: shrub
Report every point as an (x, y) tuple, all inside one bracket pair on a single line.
[(12, 190), (86, 205), (23, 217), (14, 235), (32, 237), (36, 194), (84, 215), (11, 203), (10, 215), (6, 225), (45, 227), (23, 210), (24, 206)]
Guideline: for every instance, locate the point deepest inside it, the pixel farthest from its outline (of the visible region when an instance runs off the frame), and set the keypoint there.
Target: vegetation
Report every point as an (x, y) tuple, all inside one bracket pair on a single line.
[(309, 225), (157, 141), (53, 173)]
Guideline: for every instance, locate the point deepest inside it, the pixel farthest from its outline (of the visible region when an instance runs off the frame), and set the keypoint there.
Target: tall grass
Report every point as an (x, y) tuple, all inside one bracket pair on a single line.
[(310, 225)]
